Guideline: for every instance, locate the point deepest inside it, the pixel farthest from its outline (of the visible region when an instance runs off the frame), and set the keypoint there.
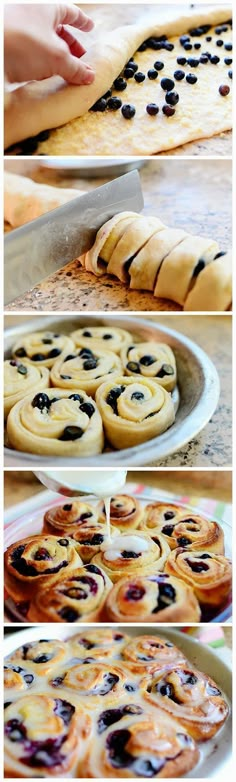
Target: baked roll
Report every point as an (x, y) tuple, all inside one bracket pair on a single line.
[(97, 258), (90, 537), (134, 411), (99, 644), (190, 697), (36, 561), (41, 657), (76, 597), (154, 599), (151, 653), (152, 360), (44, 735), (182, 265), (17, 678), (209, 574), (126, 512), (134, 554), (42, 348), (56, 423), (180, 528), (100, 337), (69, 517), (21, 379), (131, 742), (97, 683), (85, 369)]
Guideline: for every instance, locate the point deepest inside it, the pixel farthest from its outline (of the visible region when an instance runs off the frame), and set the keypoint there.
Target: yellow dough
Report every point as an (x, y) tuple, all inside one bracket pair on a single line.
[(24, 200), (21, 379), (201, 112), (75, 372)]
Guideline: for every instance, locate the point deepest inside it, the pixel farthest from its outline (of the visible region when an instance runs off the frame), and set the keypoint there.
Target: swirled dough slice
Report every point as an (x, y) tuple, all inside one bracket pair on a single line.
[(93, 260), (145, 266), (182, 264), (213, 287), (135, 237), (201, 111), (24, 200)]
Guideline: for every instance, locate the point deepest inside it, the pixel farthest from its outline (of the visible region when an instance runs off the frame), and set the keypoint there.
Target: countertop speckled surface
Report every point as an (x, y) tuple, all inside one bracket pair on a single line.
[(194, 195)]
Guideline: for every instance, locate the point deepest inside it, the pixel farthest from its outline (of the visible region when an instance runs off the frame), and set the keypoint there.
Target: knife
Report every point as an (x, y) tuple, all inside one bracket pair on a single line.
[(45, 245)]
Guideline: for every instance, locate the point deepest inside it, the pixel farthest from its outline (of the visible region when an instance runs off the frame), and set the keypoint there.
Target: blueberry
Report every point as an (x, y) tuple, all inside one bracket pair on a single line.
[(43, 658), (168, 111), (191, 679), (128, 111), (130, 555), (152, 73), (172, 98), (41, 401), (181, 60), (136, 395), (86, 353), (158, 65), (108, 336), (179, 75), (68, 614), (188, 47), (230, 74), (87, 408), (114, 104), (67, 507), (152, 109), (228, 47), (191, 79), (85, 516), (139, 77), (86, 334), (133, 366), (63, 542), (65, 377), (168, 530), (22, 370), (182, 541), (199, 267), (184, 39), (167, 84), (193, 62), (90, 363), (42, 554), (38, 357), (128, 73), (120, 84), (76, 398), (100, 105), (134, 593), (224, 89), (228, 60), (203, 59), (54, 353), (147, 360), (166, 690), (71, 433), (169, 514), (214, 59), (166, 369)]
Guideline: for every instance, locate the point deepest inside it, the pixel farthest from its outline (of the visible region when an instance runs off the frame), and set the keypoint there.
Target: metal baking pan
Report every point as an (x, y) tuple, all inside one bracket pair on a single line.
[(198, 384)]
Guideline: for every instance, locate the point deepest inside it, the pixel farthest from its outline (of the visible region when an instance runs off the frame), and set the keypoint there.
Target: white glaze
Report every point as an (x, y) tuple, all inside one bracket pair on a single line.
[(124, 543)]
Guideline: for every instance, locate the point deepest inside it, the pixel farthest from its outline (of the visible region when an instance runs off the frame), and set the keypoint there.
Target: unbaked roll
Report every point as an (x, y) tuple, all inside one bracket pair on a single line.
[(44, 735), (126, 512), (85, 369), (137, 743), (42, 348), (189, 696), (180, 528), (68, 517), (152, 360), (100, 337), (76, 597), (135, 237), (134, 411), (106, 240), (145, 266), (107, 683), (132, 554), (21, 379), (151, 653), (99, 644), (212, 290), (182, 265), (36, 561), (209, 574), (56, 423), (155, 598)]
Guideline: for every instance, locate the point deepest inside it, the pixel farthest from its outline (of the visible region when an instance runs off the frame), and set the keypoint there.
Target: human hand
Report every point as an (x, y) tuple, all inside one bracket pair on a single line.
[(38, 43)]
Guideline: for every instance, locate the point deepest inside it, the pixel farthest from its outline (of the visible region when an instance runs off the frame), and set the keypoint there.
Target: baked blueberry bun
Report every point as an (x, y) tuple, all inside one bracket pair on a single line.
[(42, 348), (132, 554), (209, 574), (126, 512), (151, 653), (97, 683), (77, 597), (64, 519), (101, 338), (99, 644), (40, 657), (89, 539), (21, 379), (190, 697), (85, 369), (188, 530), (154, 599), (17, 678), (152, 360), (36, 561)]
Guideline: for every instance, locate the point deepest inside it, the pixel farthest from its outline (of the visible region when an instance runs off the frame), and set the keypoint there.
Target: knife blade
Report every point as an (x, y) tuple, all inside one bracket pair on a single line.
[(41, 247)]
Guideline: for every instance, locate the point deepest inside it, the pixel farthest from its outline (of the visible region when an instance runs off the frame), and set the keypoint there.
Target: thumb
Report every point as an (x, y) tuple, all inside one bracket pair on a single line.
[(72, 69)]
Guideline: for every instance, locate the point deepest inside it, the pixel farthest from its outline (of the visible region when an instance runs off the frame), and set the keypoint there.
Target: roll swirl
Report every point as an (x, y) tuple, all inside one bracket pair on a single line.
[(90, 538), (209, 574), (36, 561), (97, 682), (77, 597), (151, 653), (59, 423), (134, 411), (100, 337), (21, 379), (85, 369), (69, 517), (17, 678), (180, 528), (126, 512), (41, 657), (99, 644), (154, 599), (42, 348), (190, 697), (134, 554), (152, 360)]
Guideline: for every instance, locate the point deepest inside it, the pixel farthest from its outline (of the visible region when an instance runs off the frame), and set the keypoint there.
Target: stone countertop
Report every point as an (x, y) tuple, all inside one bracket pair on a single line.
[(191, 194), (212, 447)]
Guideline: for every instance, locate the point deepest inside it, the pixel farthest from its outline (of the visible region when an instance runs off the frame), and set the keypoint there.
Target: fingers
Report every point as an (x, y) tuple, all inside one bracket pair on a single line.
[(72, 69), (75, 46), (70, 14)]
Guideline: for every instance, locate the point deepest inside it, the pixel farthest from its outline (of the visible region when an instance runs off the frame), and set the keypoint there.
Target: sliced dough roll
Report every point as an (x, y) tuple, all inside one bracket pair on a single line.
[(182, 264), (213, 287), (145, 267), (93, 260), (134, 238)]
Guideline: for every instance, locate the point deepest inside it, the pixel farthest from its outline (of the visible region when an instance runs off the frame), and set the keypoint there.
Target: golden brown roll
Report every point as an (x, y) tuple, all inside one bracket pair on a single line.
[(78, 597), (126, 512), (152, 360), (17, 678), (99, 644), (151, 653), (134, 554), (157, 598), (101, 337), (21, 379), (134, 410), (136, 743), (36, 561), (210, 575), (180, 528), (41, 657), (189, 696), (96, 683), (69, 517), (56, 423), (85, 369), (42, 348), (91, 537), (44, 735)]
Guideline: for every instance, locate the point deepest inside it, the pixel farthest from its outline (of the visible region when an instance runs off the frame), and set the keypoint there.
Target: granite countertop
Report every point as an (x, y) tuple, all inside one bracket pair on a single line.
[(194, 195)]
